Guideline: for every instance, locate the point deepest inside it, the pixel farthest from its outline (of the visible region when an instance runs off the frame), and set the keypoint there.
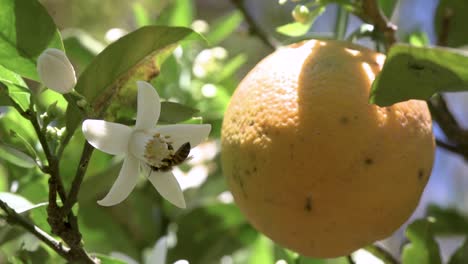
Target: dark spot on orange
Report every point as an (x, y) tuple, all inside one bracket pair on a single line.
[(368, 161), (421, 174), (251, 123), (344, 120), (308, 204)]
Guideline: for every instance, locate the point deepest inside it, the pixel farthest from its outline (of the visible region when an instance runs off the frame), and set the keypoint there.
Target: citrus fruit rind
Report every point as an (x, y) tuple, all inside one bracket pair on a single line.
[(311, 163)]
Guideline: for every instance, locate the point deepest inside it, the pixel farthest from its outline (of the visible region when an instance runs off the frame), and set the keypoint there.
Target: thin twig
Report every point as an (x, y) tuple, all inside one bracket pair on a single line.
[(14, 218), (253, 26), (372, 14), (450, 126), (442, 38), (382, 254), (75, 188), (452, 148)]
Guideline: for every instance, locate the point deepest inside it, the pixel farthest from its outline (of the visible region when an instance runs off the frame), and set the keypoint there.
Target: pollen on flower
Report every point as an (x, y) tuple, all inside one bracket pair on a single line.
[(157, 149)]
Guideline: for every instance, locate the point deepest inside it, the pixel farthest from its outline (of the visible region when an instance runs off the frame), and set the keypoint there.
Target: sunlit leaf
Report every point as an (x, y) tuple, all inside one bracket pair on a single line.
[(141, 15), (450, 22), (423, 247), (231, 67), (297, 29), (461, 254), (26, 29), (262, 251), (418, 39), (15, 88), (418, 73), (181, 13), (16, 157), (223, 27)]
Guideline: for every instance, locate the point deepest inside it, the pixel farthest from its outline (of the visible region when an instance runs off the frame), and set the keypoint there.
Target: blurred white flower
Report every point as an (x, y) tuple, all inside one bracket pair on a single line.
[(55, 71), (158, 252), (209, 90), (114, 34), (194, 178), (153, 149), (208, 61), (200, 26)]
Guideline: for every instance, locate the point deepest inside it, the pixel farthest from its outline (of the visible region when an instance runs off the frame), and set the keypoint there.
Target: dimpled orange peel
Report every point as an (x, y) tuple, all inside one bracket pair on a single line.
[(311, 163)]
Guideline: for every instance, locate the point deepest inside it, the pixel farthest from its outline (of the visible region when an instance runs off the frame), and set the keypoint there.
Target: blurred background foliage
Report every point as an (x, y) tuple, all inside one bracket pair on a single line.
[(203, 76)]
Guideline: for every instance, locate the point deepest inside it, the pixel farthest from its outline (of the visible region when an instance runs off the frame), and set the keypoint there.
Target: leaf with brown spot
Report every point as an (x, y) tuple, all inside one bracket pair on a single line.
[(108, 83)]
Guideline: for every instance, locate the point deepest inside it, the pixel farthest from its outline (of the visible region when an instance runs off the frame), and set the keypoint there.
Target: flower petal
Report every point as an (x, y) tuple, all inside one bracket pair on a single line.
[(180, 134), (167, 185), (124, 184), (149, 106), (106, 136)]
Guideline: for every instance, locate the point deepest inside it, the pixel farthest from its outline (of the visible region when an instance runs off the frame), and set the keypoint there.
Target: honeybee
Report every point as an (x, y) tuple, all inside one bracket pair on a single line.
[(178, 158)]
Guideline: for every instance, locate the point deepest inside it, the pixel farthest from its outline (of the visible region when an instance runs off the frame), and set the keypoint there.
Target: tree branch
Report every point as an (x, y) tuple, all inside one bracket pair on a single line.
[(75, 188), (450, 126), (14, 218), (253, 26), (372, 14), (53, 166), (442, 37)]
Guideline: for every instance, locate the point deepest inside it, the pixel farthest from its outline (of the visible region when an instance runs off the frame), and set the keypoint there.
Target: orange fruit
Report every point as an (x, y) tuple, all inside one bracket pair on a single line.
[(311, 163)]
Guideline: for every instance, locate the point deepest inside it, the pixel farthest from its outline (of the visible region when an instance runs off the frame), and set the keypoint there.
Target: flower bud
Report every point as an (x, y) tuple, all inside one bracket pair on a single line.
[(301, 14), (55, 71)]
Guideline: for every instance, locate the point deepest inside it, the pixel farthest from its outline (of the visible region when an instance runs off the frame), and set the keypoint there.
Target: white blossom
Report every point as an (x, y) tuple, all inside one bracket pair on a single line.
[(147, 148), (55, 71)]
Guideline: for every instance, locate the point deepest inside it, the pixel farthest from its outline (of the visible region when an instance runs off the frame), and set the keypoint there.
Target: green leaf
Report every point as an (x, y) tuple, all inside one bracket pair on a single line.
[(111, 77), (418, 73), (210, 232), (15, 89), (181, 13), (423, 247), (419, 39), (449, 221), (285, 254), (231, 67), (388, 7), (262, 251), (297, 29), (141, 15), (16, 157), (451, 19), (174, 112), (223, 27), (461, 254), (26, 29)]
